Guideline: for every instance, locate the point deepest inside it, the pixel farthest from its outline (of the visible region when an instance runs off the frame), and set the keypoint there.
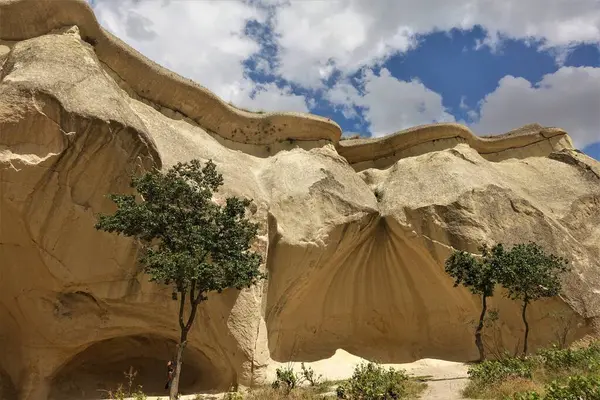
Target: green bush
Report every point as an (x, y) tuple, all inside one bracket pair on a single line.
[(527, 396), (576, 388), (308, 375), (554, 374), (121, 394), (587, 359), (286, 379), (373, 382), (233, 394), (498, 370)]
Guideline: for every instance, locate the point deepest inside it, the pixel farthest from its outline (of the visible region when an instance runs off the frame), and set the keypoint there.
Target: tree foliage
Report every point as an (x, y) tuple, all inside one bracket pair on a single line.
[(525, 271), (479, 275), (528, 274), (188, 240)]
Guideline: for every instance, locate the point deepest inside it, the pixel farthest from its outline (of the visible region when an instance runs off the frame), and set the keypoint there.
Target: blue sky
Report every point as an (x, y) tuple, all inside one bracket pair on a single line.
[(379, 67)]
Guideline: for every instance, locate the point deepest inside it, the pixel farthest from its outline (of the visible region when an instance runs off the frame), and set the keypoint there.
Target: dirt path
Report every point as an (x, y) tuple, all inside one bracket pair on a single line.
[(445, 380), (448, 389)]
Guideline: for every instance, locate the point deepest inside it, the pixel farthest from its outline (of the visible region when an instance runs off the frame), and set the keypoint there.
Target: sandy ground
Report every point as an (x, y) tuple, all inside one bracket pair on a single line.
[(445, 379), (445, 389)]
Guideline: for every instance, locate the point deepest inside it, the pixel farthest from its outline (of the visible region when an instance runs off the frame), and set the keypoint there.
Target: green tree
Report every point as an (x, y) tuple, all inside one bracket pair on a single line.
[(479, 276), (529, 274), (188, 241)]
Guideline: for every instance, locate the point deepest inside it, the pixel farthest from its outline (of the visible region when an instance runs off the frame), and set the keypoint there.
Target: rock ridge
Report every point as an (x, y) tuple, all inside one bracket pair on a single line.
[(177, 95)]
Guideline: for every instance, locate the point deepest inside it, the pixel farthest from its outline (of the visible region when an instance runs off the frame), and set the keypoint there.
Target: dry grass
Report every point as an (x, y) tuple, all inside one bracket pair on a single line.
[(302, 393), (488, 380), (502, 389), (414, 389)]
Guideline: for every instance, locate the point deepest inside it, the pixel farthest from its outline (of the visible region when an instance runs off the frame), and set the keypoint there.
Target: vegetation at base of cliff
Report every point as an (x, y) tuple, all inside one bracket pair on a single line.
[(127, 391), (369, 381), (299, 393), (374, 382), (525, 271), (549, 374), (188, 241)]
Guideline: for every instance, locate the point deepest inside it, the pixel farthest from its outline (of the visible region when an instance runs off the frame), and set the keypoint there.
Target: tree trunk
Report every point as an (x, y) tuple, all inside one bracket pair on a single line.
[(525, 303), (174, 392), (185, 328), (478, 341)]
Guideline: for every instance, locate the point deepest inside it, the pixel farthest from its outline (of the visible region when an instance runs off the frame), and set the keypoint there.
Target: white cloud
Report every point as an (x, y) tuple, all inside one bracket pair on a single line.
[(205, 39), (202, 40), (207, 42), (345, 97), (568, 98), (391, 104), (314, 36)]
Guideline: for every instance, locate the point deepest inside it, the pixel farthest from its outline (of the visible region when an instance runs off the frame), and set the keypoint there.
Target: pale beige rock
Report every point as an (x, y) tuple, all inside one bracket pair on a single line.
[(528, 141), (355, 259)]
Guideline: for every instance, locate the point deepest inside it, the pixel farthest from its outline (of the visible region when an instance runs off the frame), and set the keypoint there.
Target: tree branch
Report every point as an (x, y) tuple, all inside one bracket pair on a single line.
[(181, 309), (192, 292), (192, 316), (196, 299)]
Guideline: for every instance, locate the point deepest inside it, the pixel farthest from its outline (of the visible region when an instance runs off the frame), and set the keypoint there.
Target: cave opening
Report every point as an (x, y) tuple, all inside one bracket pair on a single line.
[(103, 366), (7, 389)]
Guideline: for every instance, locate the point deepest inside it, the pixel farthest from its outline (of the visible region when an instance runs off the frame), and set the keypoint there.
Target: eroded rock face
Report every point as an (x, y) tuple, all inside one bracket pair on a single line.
[(355, 259)]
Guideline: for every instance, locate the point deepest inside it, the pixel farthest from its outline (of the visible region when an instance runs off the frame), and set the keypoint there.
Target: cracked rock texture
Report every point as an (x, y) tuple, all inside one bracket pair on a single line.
[(354, 232)]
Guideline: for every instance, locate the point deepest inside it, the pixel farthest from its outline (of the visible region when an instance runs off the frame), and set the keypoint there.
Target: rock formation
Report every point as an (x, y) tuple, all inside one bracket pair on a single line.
[(354, 232)]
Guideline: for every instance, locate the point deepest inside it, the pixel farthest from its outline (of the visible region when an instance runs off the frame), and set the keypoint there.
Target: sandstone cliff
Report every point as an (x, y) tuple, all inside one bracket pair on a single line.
[(354, 232)]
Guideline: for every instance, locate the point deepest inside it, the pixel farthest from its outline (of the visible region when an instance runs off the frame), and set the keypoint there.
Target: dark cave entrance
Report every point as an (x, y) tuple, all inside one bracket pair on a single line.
[(7, 389), (103, 367)]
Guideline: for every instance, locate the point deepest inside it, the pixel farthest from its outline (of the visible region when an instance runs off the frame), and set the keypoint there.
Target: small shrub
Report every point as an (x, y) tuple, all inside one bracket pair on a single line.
[(308, 375), (528, 396), (373, 382), (118, 394), (501, 390), (139, 395), (233, 395), (584, 359), (576, 388), (121, 393), (493, 371), (286, 379)]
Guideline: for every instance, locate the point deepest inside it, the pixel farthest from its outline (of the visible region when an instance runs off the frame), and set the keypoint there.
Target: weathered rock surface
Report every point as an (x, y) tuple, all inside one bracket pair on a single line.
[(354, 232)]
